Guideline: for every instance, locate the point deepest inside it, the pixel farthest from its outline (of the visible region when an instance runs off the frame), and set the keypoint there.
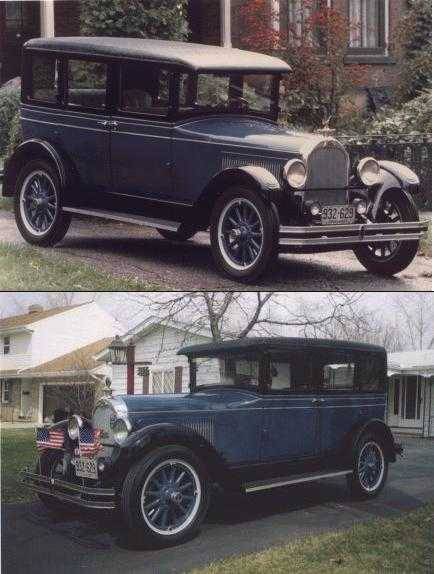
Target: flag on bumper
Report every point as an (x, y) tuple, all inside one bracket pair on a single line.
[(89, 441), (49, 438)]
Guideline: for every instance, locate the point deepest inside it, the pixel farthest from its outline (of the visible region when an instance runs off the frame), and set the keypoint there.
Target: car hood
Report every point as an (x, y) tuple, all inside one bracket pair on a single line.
[(248, 132)]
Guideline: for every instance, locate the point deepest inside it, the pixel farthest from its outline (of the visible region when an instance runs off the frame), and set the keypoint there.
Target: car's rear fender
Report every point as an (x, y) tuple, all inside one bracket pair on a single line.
[(252, 176), (378, 428), (36, 149)]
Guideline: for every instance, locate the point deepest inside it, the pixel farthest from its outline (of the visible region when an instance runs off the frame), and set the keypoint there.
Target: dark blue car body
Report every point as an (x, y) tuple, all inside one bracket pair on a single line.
[(176, 168)]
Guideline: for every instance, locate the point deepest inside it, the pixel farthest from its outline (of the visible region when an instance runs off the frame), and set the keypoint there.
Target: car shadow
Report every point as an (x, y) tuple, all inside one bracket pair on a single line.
[(102, 530), (192, 259)]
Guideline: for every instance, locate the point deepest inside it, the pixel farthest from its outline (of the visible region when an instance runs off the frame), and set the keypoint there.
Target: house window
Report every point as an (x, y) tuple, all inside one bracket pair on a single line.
[(367, 25), (163, 382), (6, 391), (6, 345)]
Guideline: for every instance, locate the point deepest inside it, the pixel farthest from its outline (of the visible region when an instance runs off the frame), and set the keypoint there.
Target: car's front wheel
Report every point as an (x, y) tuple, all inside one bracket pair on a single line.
[(244, 234), (165, 496), (38, 204), (370, 467), (390, 257)]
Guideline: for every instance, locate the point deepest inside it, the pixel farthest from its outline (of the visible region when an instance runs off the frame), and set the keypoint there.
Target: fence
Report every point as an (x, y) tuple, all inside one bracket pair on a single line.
[(414, 151)]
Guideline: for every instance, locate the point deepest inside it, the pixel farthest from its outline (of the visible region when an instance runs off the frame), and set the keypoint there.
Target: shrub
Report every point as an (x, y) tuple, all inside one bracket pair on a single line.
[(15, 134), (135, 18), (9, 106)]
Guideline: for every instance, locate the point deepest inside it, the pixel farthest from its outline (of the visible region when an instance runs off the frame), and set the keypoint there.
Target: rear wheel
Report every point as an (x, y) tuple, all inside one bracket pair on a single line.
[(244, 232), (390, 257), (370, 468), (38, 204), (165, 496)]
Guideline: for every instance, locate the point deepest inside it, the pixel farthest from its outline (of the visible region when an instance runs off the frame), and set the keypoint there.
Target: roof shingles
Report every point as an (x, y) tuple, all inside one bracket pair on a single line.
[(29, 318)]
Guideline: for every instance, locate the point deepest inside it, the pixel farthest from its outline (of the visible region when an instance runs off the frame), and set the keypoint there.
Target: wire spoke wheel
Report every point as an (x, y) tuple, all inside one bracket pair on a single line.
[(370, 466), (389, 212), (170, 497), (240, 233), (38, 202)]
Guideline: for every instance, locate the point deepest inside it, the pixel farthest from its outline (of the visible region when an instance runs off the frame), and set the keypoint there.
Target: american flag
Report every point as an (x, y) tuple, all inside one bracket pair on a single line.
[(49, 438), (89, 441)]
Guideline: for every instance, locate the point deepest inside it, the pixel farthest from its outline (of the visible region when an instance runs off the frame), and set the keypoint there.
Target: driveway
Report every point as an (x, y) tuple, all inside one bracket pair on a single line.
[(35, 542), (126, 250)]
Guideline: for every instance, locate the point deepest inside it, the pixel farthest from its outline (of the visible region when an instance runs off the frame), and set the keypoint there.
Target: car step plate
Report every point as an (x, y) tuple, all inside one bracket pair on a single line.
[(294, 479)]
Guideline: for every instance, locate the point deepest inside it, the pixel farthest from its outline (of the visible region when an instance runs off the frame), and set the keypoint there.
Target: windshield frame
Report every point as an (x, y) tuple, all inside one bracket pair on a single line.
[(273, 114)]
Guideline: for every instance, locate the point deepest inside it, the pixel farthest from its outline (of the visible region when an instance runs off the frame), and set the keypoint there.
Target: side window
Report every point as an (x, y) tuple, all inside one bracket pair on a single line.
[(45, 84), (339, 373), (371, 372), (144, 89), (87, 84), (6, 345), (291, 372), (6, 391)]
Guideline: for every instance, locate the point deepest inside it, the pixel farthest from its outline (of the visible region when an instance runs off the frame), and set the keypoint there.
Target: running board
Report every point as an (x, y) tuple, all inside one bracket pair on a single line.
[(286, 480), (126, 218)]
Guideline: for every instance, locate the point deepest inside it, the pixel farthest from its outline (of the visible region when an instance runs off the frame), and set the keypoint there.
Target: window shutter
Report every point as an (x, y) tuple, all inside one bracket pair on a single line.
[(178, 379), (145, 381)]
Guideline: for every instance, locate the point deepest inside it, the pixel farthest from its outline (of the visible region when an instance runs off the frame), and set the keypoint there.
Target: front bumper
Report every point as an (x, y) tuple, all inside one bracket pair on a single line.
[(331, 237), (84, 496)]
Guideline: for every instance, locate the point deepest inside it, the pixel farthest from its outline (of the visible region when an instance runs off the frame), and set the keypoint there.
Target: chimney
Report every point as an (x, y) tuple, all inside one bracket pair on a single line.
[(35, 309)]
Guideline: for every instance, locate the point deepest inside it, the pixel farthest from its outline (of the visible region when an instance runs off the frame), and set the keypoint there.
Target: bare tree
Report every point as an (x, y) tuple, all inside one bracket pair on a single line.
[(415, 313), (236, 315)]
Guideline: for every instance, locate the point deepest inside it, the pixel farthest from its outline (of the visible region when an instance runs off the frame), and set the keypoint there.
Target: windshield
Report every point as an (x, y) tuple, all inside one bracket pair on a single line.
[(229, 93), (239, 371)]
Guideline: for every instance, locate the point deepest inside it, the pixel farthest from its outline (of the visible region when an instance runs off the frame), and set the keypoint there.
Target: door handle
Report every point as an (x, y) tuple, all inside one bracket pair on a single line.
[(103, 122), (108, 123), (317, 401)]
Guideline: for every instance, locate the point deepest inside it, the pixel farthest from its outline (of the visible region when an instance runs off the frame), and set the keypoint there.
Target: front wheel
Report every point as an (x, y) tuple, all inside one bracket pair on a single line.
[(165, 496), (38, 205), (244, 232), (369, 468), (390, 257)]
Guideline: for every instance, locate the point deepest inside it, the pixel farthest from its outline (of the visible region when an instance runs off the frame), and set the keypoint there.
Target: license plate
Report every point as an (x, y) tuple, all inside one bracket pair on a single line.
[(85, 467), (338, 214)]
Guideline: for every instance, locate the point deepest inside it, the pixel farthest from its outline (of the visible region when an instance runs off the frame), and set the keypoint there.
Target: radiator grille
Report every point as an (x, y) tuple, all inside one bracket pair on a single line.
[(328, 168), (273, 165)]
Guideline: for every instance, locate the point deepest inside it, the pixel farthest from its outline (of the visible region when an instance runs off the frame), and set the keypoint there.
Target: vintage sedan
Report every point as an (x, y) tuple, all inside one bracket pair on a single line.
[(261, 413), (184, 137)]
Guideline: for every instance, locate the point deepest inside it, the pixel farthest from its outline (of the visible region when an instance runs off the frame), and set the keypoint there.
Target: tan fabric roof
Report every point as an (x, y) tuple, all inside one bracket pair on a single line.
[(79, 360), (28, 318)]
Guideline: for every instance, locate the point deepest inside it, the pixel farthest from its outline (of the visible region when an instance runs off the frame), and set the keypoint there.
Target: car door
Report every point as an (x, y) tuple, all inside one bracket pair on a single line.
[(341, 405), (83, 129), (141, 139), (290, 408)]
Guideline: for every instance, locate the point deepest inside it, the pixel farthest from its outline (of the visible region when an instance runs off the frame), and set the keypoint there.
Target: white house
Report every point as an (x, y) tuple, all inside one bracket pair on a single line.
[(411, 392), (44, 350), (158, 368)]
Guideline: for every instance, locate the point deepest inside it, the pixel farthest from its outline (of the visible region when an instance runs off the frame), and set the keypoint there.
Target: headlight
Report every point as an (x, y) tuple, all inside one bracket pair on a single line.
[(295, 173), (369, 171), (121, 428), (74, 425)]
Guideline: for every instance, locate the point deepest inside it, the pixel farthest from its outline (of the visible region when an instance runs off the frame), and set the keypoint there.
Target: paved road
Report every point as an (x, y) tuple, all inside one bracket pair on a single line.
[(35, 542), (126, 250)]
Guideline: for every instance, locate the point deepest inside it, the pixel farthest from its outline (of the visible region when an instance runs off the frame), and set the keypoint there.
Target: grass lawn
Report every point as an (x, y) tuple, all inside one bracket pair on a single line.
[(404, 544), (18, 450), (25, 268)]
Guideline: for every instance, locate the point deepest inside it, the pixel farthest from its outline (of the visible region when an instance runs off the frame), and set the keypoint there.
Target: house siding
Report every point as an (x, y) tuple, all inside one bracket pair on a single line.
[(159, 347)]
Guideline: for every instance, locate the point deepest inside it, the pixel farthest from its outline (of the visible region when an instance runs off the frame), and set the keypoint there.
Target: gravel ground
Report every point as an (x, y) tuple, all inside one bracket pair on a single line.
[(126, 250)]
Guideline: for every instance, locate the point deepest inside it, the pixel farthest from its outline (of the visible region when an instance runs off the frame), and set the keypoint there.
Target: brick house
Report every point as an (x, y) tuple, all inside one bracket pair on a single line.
[(214, 22)]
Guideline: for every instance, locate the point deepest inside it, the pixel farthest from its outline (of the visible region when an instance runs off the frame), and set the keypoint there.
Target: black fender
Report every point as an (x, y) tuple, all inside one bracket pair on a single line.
[(256, 177), (390, 183), (380, 428), (32, 149), (143, 441)]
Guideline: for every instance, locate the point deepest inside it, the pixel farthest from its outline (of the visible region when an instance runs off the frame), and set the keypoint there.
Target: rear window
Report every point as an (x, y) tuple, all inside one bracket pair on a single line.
[(45, 79), (351, 371), (87, 84), (372, 372)]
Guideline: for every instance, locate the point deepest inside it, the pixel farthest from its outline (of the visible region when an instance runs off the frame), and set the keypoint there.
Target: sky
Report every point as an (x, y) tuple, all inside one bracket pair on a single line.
[(129, 312)]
